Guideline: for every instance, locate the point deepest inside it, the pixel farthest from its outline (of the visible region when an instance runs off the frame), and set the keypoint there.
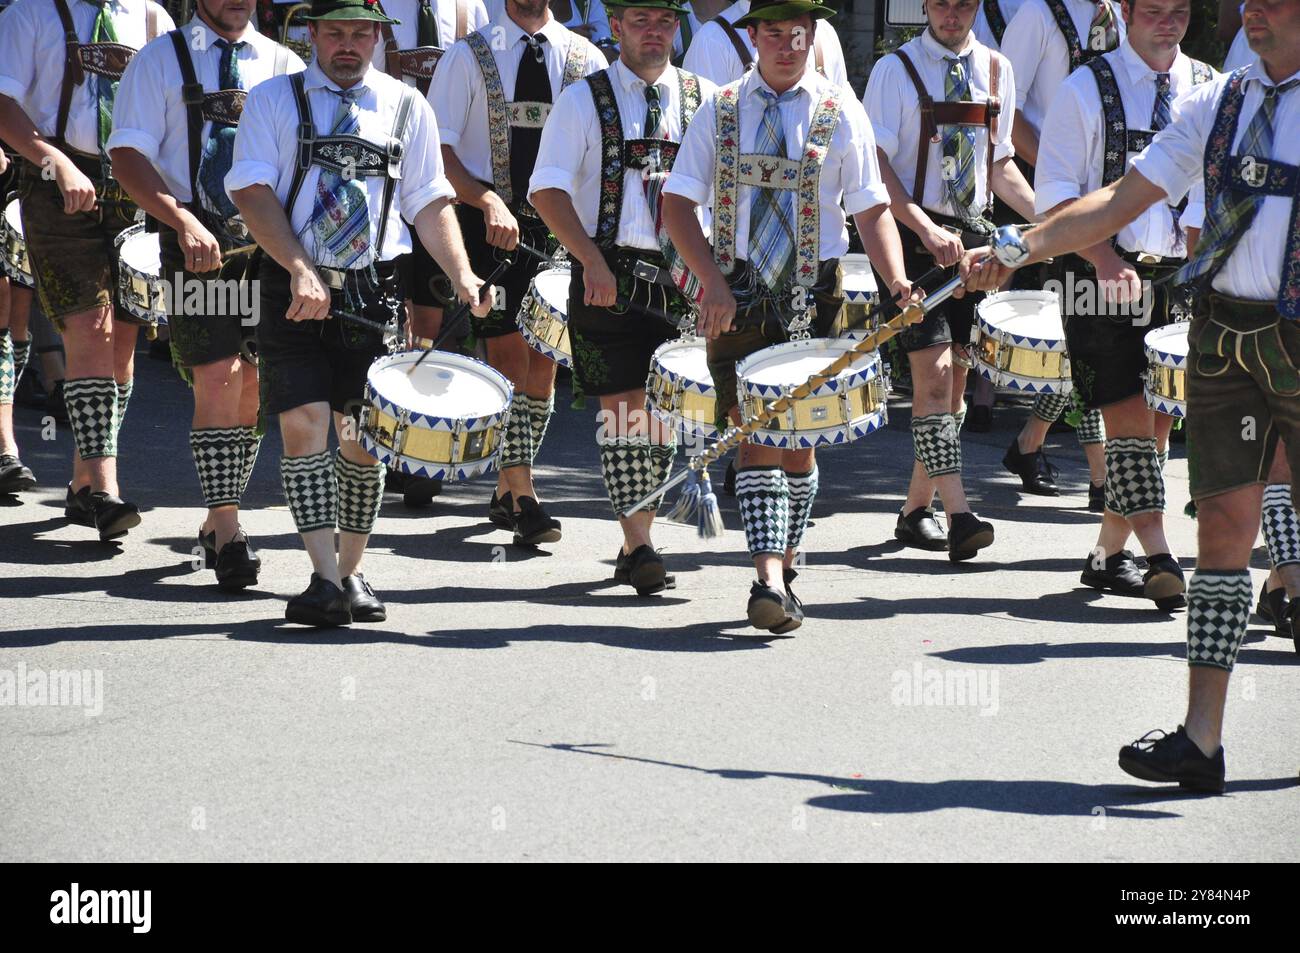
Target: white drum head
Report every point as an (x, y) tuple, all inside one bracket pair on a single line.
[(1168, 345), (552, 286), (1034, 316), (859, 281), (142, 253), (792, 363), (689, 360), (13, 218), (444, 385)]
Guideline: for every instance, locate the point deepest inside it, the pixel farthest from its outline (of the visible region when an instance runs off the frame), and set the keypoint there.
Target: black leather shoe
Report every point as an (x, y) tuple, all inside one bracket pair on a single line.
[(919, 528), (366, 606), (729, 480), (532, 526), (77, 508), (1173, 758), (113, 515), (967, 534), (1096, 498), (208, 541), (790, 576), (771, 610), (645, 571), (322, 604), (623, 571), (1293, 620), (14, 477), (1163, 582), (420, 491), (1119, 574), (501, 511), (1272, 608), (1037, 476), (235, 567), (979, 419)]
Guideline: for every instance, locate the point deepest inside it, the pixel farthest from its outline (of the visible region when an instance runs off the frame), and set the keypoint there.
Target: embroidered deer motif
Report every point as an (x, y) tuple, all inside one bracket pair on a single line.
[(767, 168)]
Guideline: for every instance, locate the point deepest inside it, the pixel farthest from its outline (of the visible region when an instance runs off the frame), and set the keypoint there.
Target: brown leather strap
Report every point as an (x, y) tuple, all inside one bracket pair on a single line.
[(150, 23), (929, 130), (993, 111), (746, 59), (392, 62), (462, 19)]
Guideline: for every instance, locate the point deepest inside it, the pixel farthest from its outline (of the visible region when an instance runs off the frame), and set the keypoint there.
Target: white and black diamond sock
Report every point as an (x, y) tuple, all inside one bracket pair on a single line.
[(517, 435), (663, 455), (218, 454), (1049, 407), (123, 398), (628, 468), (1218, 612), (803, 490), (8, 376), (763, 497), (936, 444), (251, 443), (1281, 528), (360, 491), (1134, 483), (1091, 428), (540, 410), (92, 412), (22, 351), (309, 489)]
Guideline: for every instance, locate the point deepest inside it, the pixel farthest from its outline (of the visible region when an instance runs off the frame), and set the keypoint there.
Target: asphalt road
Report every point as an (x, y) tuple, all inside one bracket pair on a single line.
[(519, 706)]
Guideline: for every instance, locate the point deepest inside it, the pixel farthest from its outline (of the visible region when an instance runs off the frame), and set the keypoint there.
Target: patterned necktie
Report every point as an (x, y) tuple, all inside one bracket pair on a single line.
[(771, 214), (958, 168), (653, 111), (653, 180), (219, 150), (105, 88), (1232, 212), (426, 25), (340, 218), (1160, 112), (1103, 33), (532, 85)]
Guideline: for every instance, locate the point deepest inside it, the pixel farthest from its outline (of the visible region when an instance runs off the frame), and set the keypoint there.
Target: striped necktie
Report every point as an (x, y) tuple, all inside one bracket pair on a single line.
[(653, 180), (105, 88), (1160, 112), (1232, 212), (958, 143), (771, 215), (340, 217), (219, 150)]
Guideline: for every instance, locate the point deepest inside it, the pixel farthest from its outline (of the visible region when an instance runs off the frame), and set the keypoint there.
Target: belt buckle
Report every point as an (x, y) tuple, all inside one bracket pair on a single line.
[(332, 277), (646, 271), (1146, 258)]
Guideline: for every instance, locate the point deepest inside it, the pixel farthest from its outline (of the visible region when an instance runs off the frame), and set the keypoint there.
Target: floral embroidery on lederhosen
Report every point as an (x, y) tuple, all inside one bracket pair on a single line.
[(807, 205), (618, 154), (1065, 23), (498, 109)]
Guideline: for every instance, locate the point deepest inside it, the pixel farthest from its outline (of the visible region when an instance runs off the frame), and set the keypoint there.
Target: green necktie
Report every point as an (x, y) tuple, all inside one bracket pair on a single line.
[(426, 25), (105, 88), (958, 170)]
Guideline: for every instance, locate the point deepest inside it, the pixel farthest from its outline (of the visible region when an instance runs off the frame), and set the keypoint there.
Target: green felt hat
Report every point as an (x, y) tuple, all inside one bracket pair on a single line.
[(766, 10), (672, 6), (349, 10)]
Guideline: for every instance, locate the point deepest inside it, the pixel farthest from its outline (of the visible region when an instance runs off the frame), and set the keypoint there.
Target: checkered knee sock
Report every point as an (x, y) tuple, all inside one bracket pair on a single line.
[(1049, 407), (628, 467), (1218, 612), (123, 398), (1164, 459), (803, 490), (1134, 483), (540, 410), (937, 444), (361, 491), (251, 443), (218, 454), (309, 489), (517, 436), (22, 351), (662, 455), (763, 496), (1281, 528), (92, 411), (8, 376), (1091, 429), (959, 418)]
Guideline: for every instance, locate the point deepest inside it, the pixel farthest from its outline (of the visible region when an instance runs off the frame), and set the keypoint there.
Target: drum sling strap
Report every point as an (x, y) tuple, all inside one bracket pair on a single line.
[(746, 57), (936, 114), (420, 62), (358, 156)]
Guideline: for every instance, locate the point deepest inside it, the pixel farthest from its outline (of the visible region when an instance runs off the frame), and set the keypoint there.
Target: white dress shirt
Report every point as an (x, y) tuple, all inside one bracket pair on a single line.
[(1038, 54), (688, 25), (266, 152), (570, 154), (32, 54), (148, 114), (459, 97), (983, 32), (1239, 54), (713, 56), (895, 112), (444, 11), (1174, 162), (850, 175), (1073, 146)]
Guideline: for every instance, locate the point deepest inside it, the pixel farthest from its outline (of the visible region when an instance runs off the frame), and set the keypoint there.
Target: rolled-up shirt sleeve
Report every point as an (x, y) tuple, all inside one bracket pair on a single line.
[(1173, 160), (423, 178), (451, 93), (17, 59), (140, 107), (1065, 151), (257, 158), (863, 186), (1002, 147), (1193, 214), (884, 104), (559, 156), (692, 175), (1025, 44)]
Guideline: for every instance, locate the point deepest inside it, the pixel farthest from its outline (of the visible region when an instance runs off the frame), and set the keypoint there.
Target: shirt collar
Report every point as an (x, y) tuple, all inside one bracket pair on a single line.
[(941, 52), (1139, 71), (807, 82), (1256, 71), (553, 29), (633, 83), (314, 78), (210, 37)]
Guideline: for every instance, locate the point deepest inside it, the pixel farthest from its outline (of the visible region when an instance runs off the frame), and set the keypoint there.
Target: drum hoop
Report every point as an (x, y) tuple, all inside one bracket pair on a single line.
[(539, 298), (854, 378), (429, 421), (657, 365)]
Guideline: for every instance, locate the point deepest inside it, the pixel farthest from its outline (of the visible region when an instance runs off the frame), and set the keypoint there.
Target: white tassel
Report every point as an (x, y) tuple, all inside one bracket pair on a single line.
[(710, 523), (688, 501)]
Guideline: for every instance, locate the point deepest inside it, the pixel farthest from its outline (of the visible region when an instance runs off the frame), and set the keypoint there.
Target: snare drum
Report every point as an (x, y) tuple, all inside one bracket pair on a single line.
[(544, 316), (1018, 341), (1166, 377), (843, 409), (679, 390), (140, 291), (15, 262), (858, 283), (442, 421)]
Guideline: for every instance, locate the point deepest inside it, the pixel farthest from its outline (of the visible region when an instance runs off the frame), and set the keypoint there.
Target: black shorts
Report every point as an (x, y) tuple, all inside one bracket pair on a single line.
[(483, 258), (1107, 356), (950, 321), (216, 325), (612, 351), (426, 283), (307, 362)]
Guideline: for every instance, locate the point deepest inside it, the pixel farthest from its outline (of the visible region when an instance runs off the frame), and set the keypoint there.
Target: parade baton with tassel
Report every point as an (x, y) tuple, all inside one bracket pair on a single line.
[(1007, 245)]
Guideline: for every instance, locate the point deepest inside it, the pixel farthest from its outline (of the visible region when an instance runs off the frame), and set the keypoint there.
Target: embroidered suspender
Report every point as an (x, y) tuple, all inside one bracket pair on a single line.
[(997, 22), (1065, 23), (350, 155), (102, 59), (618, 155), (502, 115), (935, 114), (803, 176)]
